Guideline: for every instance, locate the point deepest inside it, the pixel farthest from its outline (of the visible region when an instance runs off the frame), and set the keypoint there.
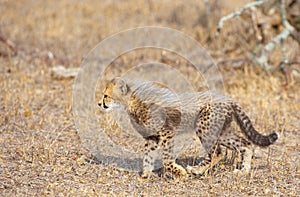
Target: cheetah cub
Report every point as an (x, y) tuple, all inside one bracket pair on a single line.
[(158, 114)]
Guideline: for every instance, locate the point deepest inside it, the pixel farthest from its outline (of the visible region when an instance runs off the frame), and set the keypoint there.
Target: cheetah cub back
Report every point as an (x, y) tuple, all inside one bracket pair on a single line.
[(158, 114)]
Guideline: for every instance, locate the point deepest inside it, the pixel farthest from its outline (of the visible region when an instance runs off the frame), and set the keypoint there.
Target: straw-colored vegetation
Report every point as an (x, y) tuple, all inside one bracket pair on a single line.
[(40, 149)]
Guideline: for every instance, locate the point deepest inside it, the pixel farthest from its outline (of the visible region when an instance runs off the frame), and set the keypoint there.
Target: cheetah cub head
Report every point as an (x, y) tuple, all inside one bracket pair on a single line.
[(114, 94)]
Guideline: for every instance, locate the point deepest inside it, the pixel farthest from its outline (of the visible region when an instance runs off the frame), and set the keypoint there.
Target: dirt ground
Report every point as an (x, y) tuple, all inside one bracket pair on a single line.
[(40, 149)]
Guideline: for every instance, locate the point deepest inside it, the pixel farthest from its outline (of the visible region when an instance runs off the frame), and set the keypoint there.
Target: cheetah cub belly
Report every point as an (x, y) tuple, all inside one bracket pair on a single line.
[(158, 114)]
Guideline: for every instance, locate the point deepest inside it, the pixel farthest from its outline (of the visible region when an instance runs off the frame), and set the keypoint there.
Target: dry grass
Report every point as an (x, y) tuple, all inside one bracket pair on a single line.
[(40, 151)]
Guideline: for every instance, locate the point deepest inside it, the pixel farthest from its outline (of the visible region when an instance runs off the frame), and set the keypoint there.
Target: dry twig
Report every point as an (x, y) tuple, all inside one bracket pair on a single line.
[(238, 13), (288, 29), (8, 42), (262, 60)]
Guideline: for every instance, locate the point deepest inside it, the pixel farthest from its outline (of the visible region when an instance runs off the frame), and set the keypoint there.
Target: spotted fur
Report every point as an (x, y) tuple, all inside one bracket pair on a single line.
[(159, 114)]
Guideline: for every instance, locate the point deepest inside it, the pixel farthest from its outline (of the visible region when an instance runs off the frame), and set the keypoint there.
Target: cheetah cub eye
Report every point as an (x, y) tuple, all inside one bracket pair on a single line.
[(107, 103)]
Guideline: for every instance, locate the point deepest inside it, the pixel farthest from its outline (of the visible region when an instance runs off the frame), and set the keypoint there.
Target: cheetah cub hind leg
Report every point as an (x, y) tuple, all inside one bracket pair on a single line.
[(244, 164), (211, 159), (243, 149), (207, 164)]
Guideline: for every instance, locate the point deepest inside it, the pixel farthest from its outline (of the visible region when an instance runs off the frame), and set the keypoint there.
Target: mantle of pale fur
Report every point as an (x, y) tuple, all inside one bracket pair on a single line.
[(153, 92)]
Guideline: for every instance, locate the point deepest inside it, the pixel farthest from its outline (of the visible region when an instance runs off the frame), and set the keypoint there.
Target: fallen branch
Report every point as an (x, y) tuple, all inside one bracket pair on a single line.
[(234, 63), (288, 29), (60, 72), (238, 13), (8, 42)]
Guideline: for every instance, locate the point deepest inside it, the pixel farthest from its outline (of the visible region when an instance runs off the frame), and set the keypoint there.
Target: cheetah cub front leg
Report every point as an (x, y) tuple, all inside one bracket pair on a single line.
[(151, 147), (167, 143)]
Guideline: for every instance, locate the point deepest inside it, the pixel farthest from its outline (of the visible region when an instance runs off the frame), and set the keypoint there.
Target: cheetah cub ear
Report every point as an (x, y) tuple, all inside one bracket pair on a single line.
[(121, 84)]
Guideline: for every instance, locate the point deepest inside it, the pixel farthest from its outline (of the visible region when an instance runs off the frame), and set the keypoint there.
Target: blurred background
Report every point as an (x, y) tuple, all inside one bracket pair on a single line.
[(40, 150)]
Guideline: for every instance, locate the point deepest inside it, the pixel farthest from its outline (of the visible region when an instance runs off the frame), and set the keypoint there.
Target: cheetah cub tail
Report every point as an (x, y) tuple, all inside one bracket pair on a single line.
[(246, 126)]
